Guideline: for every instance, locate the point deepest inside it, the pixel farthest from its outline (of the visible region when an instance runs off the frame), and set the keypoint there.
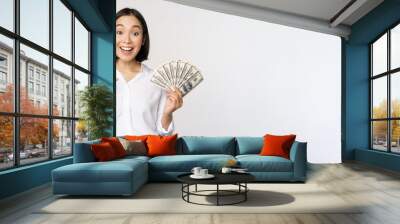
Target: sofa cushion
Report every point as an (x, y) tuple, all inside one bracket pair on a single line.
[(257, 163), (116, 145), (111, 171), (197, 145), (103, 151), (275, 145), (136, 147), (249, 145), (185, 163), (161, 145)]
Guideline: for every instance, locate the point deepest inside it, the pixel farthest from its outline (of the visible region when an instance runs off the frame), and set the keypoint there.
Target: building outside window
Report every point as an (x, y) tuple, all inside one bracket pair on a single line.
[(58, 133), (3, 72)]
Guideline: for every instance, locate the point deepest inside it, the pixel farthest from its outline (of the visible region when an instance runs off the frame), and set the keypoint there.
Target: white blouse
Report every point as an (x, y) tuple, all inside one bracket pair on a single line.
[(140, 105)]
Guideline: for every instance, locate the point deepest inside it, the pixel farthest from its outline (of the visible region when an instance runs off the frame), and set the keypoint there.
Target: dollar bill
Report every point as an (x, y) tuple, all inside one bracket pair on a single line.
[(191, 84), (177, 74)]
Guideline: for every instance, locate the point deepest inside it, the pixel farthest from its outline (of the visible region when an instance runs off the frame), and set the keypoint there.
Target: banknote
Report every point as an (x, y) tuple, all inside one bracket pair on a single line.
[(177, 74)]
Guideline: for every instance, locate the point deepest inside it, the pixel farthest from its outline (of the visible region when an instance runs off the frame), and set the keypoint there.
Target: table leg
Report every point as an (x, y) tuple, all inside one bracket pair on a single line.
[(245, 193), (196, 188), (188, 190), (217, 194)]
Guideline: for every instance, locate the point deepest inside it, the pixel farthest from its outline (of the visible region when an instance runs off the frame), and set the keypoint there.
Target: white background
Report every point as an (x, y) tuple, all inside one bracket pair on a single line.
[(258, 77)]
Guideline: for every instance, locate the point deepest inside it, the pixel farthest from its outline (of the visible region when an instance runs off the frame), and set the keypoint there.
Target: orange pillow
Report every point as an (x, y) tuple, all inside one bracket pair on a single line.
[(116, 145), (277, 145), (103, 151), (161, 145), (142, 138)]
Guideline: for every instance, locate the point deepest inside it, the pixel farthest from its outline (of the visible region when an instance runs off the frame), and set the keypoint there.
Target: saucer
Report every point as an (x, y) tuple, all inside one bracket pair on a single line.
[(208, 176)]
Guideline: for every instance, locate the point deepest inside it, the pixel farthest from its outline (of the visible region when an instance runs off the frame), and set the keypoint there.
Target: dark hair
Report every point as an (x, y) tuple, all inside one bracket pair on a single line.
[(144, 50)]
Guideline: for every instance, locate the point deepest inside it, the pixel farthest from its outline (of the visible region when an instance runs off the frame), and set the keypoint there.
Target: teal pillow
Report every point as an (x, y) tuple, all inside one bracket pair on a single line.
[(249, 145), (195, 145)]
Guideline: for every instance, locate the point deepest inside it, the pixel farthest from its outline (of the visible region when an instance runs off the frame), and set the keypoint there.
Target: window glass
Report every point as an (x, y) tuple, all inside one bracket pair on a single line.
[(62, 29), (395, 47), (395, 136), (33, 140), (7, 14), (379, 135), (81, 131), (35, 21), (395, 95), (39, 62), (379, 55), (81, 81), (62, 141), (62, 91), (81, 45), (379, 97), (6, 142), (6, 75)]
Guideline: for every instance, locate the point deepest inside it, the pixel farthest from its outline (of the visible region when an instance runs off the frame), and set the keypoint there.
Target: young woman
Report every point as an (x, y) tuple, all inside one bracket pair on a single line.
[(142, 107)]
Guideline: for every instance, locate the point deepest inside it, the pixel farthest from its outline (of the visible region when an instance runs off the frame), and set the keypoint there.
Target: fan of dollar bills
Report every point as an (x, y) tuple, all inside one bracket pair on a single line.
[(179, 74)]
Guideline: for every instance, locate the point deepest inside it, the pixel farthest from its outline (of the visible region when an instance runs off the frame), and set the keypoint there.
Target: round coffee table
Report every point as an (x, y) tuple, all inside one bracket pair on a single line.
[(238, 179)]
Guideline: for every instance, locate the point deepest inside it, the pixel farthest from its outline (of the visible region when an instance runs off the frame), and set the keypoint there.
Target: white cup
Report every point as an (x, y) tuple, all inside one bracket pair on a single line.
[(226, 170), (196, 171), (203, 172)]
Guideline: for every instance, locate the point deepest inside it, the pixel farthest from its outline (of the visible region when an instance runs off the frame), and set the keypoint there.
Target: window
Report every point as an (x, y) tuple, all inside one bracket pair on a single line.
[(30, 72), (3, 72), (54, 126), (3, 78), (3, 60), (385, 91), (38, 89), (37, 74), (44, 91), (30, 87)]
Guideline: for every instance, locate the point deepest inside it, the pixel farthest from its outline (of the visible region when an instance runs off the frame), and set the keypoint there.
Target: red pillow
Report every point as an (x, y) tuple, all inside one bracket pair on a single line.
[(277, 145), (103, 151), (161, 145), (116, 145)]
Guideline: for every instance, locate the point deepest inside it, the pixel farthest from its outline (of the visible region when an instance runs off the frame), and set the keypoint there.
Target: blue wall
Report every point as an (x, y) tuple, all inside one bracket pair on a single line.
[(356, 81), (24, 178), (99, 15)]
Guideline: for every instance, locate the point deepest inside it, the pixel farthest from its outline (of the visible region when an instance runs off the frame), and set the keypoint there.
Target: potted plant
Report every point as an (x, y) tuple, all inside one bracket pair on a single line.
[(96, 103)]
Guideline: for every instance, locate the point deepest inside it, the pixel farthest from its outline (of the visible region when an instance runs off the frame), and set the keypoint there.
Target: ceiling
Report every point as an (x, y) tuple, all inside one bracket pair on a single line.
[(327, 16)]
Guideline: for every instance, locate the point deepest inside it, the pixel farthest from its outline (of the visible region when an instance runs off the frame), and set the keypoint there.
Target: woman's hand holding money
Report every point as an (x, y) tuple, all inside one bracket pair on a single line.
[(174, 102)]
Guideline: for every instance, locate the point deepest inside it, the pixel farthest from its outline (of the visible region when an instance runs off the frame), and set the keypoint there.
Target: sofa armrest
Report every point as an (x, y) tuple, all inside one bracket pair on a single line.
[(83, 152), (298, 155)]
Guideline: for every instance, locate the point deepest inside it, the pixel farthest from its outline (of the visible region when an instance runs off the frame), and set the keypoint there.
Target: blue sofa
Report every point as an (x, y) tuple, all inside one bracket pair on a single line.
[(125, 176)]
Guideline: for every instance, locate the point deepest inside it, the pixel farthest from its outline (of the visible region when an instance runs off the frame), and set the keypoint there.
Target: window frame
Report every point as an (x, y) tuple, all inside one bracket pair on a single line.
[(16, 115), (388, 74)]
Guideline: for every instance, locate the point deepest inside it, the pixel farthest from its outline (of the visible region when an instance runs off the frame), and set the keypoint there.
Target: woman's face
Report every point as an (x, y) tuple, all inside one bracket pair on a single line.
[(129, 37)]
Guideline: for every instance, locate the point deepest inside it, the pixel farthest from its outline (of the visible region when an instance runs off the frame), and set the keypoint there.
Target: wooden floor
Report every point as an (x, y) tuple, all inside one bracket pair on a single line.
[(377, 188)]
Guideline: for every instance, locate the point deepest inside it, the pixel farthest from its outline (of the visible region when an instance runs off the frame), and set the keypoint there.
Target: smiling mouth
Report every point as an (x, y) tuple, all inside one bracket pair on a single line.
[(126, 49)]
